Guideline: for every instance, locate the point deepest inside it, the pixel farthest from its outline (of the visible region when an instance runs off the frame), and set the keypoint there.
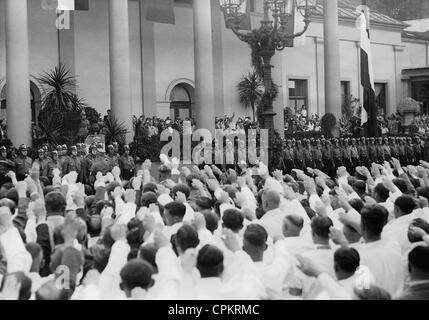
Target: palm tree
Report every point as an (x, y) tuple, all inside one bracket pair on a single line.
[(250, 91), (59, 90)]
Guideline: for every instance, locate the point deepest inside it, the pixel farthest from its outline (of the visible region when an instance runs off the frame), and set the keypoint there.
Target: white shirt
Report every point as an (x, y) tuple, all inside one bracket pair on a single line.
[(272, 221), (383, 258)]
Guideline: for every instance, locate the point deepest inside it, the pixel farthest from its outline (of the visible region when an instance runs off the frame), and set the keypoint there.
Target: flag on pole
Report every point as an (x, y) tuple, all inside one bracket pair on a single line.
[(73, 5), (161, 11), (369, 110)]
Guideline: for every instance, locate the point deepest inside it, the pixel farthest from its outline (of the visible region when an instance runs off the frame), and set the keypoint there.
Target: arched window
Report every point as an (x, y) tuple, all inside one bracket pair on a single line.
[(181, 101)]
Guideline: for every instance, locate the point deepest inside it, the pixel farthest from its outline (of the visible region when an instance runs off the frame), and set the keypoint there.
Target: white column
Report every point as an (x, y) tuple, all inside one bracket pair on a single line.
[(148, 63), (332, 59), (119, 50), (398, 54), (17, 73), (204, 64)]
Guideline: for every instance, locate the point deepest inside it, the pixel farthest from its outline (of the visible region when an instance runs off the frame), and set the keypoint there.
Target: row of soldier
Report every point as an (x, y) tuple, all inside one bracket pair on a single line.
[(329, 154), (76, 158)]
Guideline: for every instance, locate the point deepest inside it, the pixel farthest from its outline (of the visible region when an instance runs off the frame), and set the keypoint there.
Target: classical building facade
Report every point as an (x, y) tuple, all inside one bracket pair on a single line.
[(192, 67)]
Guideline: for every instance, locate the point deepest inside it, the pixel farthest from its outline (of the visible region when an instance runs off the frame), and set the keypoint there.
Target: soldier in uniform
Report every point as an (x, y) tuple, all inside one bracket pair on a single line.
[(101, 164), (380, 151), (126, 164), (73, 163), (409, 151), (346, 153), (327, 157), (308, 154), (54, 163), (111, 154), (394, 152), (372, 151), (288, 157), (354, 155), (116, 149), (299, 155), (47, 154), (402, 154), (87, 162), (387, 151), (363, 152), (23, 163), (317, 155), (62, 154), (43, 163), (6, 165), (418, 150), (336, 154)]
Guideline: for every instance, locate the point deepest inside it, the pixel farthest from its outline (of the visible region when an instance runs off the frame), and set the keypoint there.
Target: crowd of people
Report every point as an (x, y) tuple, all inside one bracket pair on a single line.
[(120, 231)]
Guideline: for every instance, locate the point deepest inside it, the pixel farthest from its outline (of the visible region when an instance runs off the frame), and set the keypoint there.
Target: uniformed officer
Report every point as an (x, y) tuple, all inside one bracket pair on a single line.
[(288, 157), (317, 155), (308, 154), (62, 154), (299, 155), (354, 155), (418, 150), (336, 153), (116, 149), (372, 151), (6, 165), (409, 151), (402, 153), (101, 164), (394, 152), (23, 163), (47, 154), (111, 154), (380, 151), (73, 163), (43, 163), (327, 156), (87, 162), (387, 150), (55, 163), (363, 153), (126, 164)]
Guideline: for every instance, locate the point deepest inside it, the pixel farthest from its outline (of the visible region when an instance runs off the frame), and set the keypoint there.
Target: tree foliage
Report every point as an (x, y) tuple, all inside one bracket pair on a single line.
[(249, 91)]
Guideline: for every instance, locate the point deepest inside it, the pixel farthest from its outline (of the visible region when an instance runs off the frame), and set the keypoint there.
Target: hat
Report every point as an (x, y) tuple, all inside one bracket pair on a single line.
[(110, 146), (64, 147), (3, 148), (93, 146), (41, 151), (23, 147), (55, 152), (73, 148), (127, 147), (100, 147), (59, 148)]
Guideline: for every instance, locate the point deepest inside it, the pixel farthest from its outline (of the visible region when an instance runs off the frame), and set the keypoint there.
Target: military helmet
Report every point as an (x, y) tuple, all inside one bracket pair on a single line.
[(23, 147), (3, 148)]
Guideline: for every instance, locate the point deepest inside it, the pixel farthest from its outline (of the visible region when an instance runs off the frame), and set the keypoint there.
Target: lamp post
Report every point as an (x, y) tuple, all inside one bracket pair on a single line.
[(273, 34)]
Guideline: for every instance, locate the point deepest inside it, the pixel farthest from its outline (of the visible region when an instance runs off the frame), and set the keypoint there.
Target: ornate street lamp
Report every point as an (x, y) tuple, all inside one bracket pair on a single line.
[(272, 35)]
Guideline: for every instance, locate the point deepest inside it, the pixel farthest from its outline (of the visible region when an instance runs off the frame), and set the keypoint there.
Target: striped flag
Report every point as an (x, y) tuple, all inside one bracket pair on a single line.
[(161, 11), (369, 109), (73, 5)]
